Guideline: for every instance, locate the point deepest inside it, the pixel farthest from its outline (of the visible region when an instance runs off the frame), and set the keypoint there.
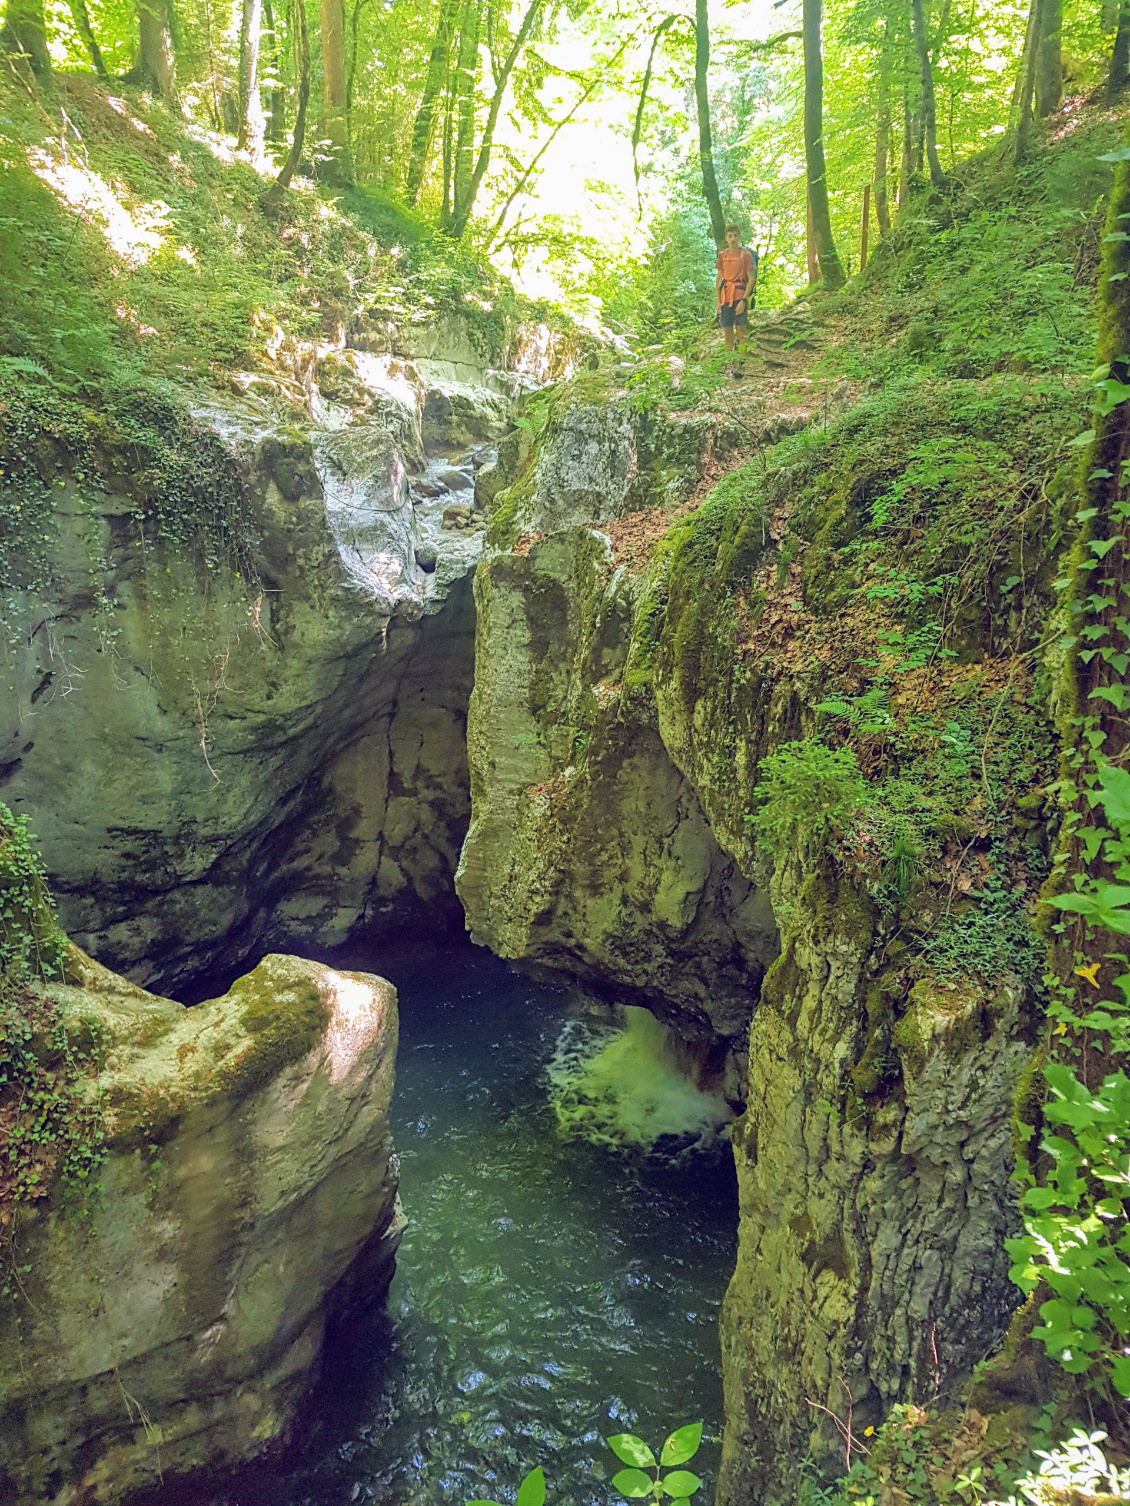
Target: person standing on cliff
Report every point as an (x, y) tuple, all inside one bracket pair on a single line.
[(736, 284)]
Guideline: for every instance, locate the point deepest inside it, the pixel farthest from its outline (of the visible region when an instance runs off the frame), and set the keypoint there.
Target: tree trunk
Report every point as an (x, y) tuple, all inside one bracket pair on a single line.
[(25, 33), (85, 29), (155, 63), (1049, 59), (448, 149), (335, 122), (926, 74), (705, 143), (831, 269), (907, 149), (883, 135), (273, 197), (423, 127), (810, 247), (482, 162), (865, 227), (463, 109), (1028, 80), (1120, 55), (276, 120), (354, 50), (251, 124)]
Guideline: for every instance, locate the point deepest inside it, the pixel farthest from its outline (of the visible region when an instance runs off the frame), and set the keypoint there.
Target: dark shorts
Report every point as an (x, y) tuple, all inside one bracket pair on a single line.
[(727, 318)]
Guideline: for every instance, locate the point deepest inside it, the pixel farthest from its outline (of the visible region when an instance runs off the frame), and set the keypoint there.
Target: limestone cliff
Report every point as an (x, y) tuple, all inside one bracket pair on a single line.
[(179, 1321), (237, 656), (636, 663), (588, 848)]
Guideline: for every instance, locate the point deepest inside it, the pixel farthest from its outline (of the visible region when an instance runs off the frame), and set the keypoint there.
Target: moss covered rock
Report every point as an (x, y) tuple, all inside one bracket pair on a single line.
[(179, 1322)]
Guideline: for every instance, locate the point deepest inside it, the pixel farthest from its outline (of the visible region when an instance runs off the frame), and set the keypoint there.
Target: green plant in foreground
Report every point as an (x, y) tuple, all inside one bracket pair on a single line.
[(679, 1484), (806, 793), (634, 1482)]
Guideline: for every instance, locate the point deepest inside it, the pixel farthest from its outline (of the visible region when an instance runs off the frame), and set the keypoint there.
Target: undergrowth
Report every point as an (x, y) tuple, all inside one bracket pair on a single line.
[(51, 1130)]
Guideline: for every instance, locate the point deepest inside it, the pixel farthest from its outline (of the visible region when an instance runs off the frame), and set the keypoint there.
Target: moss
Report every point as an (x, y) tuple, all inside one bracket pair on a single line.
[(1028, 1103), (284, 1024), (877, 1071)]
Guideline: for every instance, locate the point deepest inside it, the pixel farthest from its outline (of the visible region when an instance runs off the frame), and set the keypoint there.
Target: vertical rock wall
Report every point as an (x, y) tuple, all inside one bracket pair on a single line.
[(242, 723)]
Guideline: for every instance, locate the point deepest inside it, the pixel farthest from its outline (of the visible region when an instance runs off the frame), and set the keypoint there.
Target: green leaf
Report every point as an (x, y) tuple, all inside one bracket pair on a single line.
[(1121, 155), (1115, 694), (1081, 439), (632, 1483), (1115, 797), (680, 1482), (632, 1450), (682, 1445), (531, 1492), (1102, 547), (1120, 1373)]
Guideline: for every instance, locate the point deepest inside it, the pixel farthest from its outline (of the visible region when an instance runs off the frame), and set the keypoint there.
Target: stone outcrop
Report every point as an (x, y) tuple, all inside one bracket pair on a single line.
[(247, 1185), (588, 849), (242, 725), (871, 1266), (632, 671)]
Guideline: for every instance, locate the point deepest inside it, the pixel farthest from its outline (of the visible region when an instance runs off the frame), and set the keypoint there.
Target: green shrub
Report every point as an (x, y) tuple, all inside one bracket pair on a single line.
[(805, 795)]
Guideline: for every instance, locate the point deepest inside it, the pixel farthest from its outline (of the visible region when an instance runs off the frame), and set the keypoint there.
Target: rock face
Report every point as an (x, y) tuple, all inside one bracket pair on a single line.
[(871, 1265), (588, 849), (241, 724), (248, 1174), (632, 672)]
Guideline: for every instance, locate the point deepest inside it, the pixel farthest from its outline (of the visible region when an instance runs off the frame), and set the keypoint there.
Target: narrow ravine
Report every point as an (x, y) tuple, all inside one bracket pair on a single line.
[(549, 1292)]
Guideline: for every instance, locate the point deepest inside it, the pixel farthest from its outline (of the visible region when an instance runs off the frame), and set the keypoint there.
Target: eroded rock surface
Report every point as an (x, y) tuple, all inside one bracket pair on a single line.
[(248, 1175), (245, 727), (588, 849)]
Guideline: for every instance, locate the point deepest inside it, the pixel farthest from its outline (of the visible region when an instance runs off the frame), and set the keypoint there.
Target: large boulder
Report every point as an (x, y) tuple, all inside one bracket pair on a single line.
[(247, 1186)]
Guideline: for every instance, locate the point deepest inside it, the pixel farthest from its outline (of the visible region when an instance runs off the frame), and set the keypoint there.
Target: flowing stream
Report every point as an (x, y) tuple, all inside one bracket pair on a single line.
[(550, 1290)]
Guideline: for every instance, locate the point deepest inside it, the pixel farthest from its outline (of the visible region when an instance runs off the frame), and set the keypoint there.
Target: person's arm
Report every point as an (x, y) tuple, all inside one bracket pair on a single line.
[(718, 278)]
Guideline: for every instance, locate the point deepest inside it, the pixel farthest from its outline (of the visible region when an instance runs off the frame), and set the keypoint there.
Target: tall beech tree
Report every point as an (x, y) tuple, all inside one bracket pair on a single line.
[(705, 141), (156, 63), (1118, 74), (251, 122), (337, 169), (468, 178), (831, 268), (423, 127), (883, 129), (928, 119), (301, 41), (25, 33), (83, 25), (1049, 58)]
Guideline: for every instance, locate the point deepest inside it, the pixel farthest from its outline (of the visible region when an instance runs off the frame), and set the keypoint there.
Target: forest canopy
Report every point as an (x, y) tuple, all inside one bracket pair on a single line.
[(597, 152)]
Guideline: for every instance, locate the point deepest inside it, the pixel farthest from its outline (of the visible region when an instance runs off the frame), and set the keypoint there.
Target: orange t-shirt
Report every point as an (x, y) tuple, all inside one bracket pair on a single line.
[(735, 269)]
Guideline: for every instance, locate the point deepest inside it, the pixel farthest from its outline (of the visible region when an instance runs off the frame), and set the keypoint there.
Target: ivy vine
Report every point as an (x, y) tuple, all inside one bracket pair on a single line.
[(51, 1122)]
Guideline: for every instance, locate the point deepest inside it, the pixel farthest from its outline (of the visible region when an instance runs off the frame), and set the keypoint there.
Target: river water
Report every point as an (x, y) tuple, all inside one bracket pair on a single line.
[(549, 1291)]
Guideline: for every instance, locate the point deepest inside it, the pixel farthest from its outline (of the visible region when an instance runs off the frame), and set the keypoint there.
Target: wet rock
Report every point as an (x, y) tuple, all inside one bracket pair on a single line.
[(247, 1190), (456, 481)]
